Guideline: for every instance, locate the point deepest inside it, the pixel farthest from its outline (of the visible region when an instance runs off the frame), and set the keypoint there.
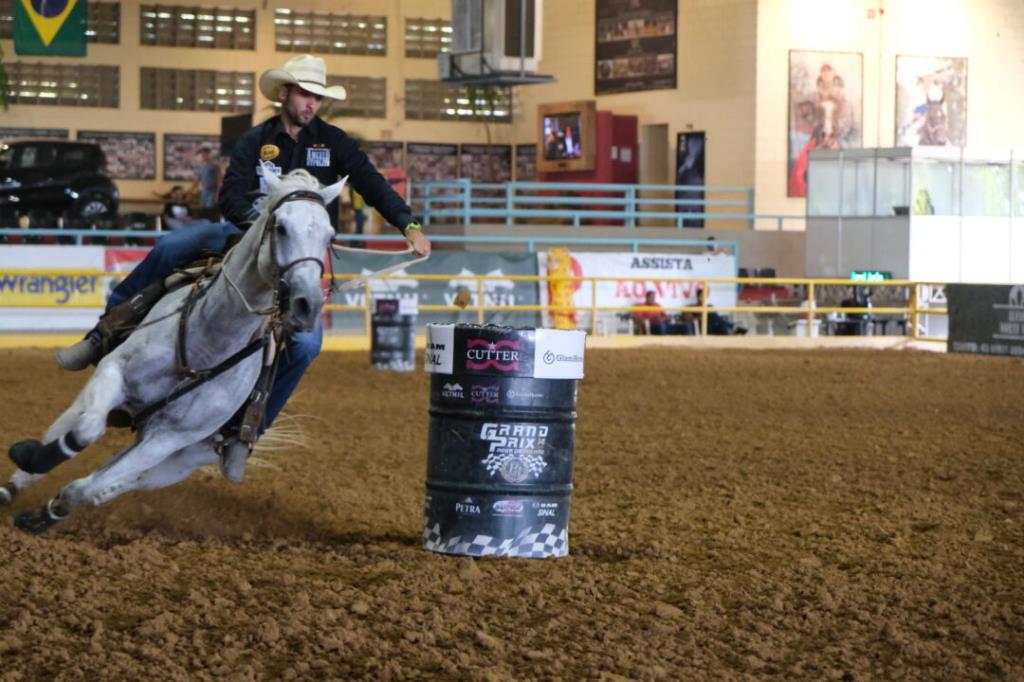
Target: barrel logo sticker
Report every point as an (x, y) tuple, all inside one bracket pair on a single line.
[(467, 507), (548, 509), (508, 508), (513, 394), (516, 450), (452, 392), (501, 355), (484, 394)]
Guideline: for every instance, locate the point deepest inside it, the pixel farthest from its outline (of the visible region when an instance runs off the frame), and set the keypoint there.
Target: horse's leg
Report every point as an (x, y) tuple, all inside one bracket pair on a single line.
[(78, 427), (117, 476), (176, 468)]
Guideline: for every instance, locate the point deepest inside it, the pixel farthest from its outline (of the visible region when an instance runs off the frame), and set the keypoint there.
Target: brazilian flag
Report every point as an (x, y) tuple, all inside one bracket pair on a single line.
[(49, 27)]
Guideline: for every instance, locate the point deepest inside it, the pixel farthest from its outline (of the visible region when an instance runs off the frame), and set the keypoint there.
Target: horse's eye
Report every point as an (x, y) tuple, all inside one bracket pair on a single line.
[(281, 231)]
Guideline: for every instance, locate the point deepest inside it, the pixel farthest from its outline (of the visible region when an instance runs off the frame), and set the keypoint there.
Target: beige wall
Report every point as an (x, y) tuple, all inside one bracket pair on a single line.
[(715, 81), (989, 33), (716, 47), (131, 56)]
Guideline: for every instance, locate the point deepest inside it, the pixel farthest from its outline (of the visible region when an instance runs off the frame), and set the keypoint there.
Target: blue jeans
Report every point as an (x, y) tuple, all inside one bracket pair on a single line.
[(178, 249)]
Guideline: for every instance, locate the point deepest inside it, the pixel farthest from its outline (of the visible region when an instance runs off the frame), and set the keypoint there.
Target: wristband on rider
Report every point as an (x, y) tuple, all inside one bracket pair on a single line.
[(412, 226)]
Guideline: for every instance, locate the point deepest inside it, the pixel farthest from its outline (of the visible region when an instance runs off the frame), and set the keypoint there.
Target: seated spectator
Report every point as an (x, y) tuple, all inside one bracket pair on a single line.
[(652, 321), (177, 213)]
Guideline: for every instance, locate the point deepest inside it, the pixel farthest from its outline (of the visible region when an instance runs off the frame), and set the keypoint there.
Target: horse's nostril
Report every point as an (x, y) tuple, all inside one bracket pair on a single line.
[(301, 307)]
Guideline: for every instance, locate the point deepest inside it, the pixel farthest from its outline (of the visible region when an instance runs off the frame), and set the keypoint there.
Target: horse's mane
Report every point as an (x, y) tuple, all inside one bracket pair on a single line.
[(298, 179)]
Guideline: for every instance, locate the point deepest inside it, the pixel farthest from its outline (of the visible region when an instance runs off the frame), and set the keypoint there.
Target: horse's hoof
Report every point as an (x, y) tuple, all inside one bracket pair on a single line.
[(38, 521), (7, 494), (21, 454)]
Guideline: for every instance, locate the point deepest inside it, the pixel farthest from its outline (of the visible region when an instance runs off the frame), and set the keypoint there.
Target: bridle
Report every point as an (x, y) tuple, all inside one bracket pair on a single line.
[(278, 272)]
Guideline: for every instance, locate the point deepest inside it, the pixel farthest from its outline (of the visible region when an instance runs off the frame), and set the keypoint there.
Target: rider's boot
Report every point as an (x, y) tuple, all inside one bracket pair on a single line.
[(86, 352), (113, 328)]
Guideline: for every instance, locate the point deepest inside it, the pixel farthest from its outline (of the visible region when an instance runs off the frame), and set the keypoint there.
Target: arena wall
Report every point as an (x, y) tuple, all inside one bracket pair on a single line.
[(989, 33)]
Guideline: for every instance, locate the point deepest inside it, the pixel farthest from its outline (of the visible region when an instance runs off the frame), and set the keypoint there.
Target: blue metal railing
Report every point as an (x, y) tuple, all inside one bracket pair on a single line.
[(531, 243), (469, 202)]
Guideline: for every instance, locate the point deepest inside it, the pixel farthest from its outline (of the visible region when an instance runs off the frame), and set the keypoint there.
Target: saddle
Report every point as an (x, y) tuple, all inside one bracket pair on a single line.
[(118, 324)]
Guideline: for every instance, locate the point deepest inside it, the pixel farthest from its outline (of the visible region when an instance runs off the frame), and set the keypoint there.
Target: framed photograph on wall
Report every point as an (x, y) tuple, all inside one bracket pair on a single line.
[(181, 154), (385, 153), (634, 46), (425, 162), (526, 162), (826, 108), (487, 163), (931, 101), (130, 156)]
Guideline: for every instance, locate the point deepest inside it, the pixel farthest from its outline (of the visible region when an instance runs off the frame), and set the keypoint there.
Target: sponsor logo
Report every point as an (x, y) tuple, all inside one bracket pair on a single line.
[(501, 355), (516, 450), (545, 509), (269, 151), (484, 394), (660, 263), (513, 394), (452, 392), (508, 508), (497, 291), (432, 357), (1016, 298), (467, 507), (318, 158), (551, 358)]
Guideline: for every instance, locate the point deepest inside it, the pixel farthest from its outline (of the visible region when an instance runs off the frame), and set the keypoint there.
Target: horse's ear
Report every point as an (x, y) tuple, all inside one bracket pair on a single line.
[(270, 176), (331, 192)]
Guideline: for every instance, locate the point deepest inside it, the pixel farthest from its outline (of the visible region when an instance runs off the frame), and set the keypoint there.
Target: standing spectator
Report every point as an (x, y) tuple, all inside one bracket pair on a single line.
[(207, 179)]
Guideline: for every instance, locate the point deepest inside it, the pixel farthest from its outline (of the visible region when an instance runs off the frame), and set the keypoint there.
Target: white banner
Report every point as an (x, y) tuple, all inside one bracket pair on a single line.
[(640, 272)]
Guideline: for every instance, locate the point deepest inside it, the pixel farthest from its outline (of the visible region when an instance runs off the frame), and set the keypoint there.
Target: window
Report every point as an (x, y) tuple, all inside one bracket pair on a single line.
[(429, 100), (210, 27), (366, 97), (67, 85), (317, 32), (427, 37), (102, 26), (197, 89)]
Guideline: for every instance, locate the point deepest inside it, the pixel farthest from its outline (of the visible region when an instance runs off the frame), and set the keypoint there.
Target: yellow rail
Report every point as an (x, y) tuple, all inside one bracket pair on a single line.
[(806, 307)]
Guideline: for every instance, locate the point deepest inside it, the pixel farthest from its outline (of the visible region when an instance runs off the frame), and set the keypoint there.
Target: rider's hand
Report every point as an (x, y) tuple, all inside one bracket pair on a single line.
[(418, 241)]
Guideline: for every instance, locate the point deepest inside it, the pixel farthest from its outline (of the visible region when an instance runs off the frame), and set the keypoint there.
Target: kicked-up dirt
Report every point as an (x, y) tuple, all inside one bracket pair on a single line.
[(737, 514)]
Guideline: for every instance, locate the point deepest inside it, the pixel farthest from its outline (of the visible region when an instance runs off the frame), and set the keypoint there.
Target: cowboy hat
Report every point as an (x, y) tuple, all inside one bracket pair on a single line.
[(306, 71)]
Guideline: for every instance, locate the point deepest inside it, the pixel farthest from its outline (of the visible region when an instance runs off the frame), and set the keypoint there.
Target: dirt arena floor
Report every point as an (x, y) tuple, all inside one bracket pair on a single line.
[(737, 515)]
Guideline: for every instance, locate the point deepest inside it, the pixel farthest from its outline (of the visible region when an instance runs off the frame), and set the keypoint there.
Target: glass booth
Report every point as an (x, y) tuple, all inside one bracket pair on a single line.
[(930, 214)]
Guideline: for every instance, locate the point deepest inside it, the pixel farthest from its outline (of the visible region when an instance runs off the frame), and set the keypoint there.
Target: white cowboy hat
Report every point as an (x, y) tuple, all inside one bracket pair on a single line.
[(306, 71)]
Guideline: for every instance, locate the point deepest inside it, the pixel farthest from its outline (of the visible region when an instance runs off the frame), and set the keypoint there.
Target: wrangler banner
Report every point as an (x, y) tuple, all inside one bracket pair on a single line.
[(50, 27), (35, 301)]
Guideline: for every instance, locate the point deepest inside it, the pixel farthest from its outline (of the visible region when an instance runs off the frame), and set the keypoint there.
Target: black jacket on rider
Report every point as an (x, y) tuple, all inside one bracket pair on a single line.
[(322, 149)]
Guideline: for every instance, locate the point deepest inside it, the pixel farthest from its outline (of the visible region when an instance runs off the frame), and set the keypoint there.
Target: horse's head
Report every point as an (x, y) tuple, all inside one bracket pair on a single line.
[(296, 235)]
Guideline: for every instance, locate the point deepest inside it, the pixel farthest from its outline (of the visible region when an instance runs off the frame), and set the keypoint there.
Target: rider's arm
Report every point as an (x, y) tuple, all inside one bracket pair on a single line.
[(239, 181), (366, 180)]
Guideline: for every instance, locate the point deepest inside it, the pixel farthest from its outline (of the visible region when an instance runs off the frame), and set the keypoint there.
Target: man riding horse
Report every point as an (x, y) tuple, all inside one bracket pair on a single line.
[(296, 138)]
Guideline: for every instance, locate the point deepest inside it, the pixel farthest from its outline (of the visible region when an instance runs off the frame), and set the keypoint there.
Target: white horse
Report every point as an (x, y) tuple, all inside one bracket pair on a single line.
[(274, 272)]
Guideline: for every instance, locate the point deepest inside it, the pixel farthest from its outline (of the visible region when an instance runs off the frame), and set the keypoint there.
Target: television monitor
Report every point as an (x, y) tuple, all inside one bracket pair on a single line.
[(567, 132)]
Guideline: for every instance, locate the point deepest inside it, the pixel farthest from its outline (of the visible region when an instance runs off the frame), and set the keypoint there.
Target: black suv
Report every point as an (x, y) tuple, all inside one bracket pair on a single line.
[(51, 179)]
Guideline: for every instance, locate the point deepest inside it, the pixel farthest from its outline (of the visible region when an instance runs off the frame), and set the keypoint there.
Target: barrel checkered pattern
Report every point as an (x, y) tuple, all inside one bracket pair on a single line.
[(530, 544)]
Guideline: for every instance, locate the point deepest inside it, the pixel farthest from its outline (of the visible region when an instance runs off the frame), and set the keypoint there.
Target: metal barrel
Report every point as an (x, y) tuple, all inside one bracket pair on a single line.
[(502, 439), (393, 338)]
